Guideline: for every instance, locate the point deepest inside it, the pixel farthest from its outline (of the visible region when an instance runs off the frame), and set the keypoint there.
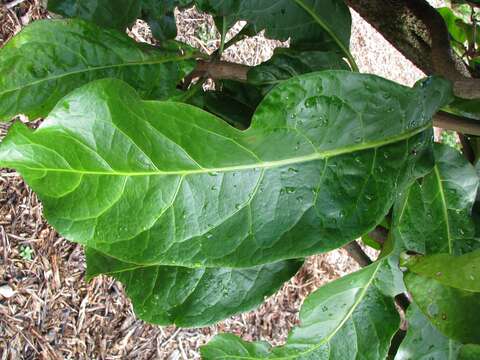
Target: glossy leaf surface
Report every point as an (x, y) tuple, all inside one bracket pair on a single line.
[(117, 14), (434, 214), (424, 341), (453, 311), (164, 183), (50, 58), (352, 317), (188, 297), (461, 272)]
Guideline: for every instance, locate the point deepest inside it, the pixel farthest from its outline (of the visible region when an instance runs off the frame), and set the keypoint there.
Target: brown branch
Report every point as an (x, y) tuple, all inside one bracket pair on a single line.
[(456, 123), (357, 253), (418, 31)]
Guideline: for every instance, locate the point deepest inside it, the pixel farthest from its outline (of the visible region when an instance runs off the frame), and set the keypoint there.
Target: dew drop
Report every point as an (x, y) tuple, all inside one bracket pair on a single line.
[(300, 199), (213, 173), (214, 188), (293, 170), (238, 206), (290, 189), (311, 102), (209, 236)]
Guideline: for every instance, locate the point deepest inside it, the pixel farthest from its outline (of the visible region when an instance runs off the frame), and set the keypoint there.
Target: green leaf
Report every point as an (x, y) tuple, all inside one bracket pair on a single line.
[(469, 352), (453, 311), (309, 24), (424, 341), (236, 102), (164, 183), (287, 63), (462, 272), (50, 58), (349, 318), (187, 297), (160, 17), (434, 214), (117, 14), (452, 21)]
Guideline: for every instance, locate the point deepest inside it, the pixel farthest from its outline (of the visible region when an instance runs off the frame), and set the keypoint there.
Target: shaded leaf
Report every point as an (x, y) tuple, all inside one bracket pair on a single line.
[(424, 341), (188, 297), (50, 58), (434, 214), (462, 272), (349, 318), (117, 14), (453, 311), (310, 24), (291, 185)]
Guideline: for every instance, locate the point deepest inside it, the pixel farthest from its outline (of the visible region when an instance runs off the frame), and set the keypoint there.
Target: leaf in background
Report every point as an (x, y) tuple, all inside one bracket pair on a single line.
[(188, 297), (456, 31), (352, 317), (424, 341), (50, 58), (309, 24), (164, 183), (462, 272), (117, 14), (434, 214), (236, 102), (287, 63), (453, 311)]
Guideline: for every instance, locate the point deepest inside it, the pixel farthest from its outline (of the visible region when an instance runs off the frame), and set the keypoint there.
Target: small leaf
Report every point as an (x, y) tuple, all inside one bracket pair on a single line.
[(346, 319), (50, 58), (462, 272), (453, 311), (434, 214), (188, 297)]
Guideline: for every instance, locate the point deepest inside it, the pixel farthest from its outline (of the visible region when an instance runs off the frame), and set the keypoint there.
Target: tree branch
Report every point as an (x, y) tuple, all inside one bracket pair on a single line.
[(357, 253), (418, 31)]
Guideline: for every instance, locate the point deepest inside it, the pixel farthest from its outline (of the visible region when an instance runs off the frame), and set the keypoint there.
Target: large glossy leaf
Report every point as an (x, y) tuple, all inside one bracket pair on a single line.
[(168, 184), (434, 214), (462, 272), (350, 318), (424, 341), (117, 14), (50, 58), (453, 311), (192, 297)]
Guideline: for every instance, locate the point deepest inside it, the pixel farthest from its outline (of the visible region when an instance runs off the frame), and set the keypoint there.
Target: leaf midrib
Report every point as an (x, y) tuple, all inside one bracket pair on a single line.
[(261, 165), (329, 337), (97, 68), (444, 209)]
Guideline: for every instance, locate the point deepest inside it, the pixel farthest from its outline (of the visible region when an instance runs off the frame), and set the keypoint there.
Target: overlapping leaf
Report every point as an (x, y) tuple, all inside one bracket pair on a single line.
[(424, 341), (453, 311), (48, 59), (188, 297), (434, 214), (462, 272), (236, 102), (353, 317), (163, 183)]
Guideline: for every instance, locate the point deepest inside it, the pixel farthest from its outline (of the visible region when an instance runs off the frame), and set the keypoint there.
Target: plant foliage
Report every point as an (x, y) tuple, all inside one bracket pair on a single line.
[(202, 203)]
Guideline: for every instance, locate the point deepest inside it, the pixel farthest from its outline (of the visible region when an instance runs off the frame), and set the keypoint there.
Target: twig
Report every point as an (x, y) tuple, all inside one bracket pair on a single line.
[(357, 253)]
